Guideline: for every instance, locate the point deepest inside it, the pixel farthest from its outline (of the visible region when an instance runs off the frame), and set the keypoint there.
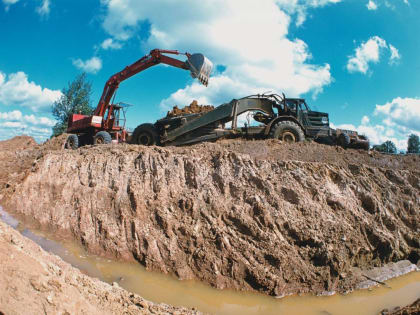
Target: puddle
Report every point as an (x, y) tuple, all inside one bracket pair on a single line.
[(159, 288)]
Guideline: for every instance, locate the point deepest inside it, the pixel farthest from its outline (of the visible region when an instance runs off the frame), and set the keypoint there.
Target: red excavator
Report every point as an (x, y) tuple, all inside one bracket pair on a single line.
[(107, 123)]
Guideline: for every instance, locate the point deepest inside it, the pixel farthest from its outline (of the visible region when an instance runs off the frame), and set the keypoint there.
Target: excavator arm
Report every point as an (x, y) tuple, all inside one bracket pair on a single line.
[(199, 66)]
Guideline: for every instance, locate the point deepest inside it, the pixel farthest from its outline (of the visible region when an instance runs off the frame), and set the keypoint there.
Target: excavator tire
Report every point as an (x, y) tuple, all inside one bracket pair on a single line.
[(102, 137), (287, 131), (72, 142), (145, 134), (343, 140)]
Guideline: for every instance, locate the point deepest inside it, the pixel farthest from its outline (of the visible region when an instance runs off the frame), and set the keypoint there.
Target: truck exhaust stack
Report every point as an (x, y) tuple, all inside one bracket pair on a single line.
[(200, 67)]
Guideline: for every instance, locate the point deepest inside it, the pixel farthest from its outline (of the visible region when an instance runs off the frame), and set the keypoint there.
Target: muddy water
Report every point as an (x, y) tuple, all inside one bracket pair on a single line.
[(163, 288)]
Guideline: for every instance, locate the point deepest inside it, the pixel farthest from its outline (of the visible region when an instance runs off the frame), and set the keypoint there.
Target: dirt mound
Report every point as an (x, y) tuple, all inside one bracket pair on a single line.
[(250, 215), (19, 155), (33, 281), (16, 159), (17, 143), (193, 108), (314, 152), (55, 143)]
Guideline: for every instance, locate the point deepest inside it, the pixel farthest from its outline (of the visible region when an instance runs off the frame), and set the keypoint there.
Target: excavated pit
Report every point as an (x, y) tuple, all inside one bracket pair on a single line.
[(249, 215)]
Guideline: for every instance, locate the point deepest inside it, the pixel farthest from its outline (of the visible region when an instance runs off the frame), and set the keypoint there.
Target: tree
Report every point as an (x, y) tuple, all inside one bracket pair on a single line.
[(386, 147), (75, 99), (413, 144)]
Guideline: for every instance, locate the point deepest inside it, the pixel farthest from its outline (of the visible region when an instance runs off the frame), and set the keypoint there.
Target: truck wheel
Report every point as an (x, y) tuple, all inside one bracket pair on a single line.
[(145, 134), (343, 140), (287, 131), (72, 142), (362, 142), (365, 146), (102, 137)]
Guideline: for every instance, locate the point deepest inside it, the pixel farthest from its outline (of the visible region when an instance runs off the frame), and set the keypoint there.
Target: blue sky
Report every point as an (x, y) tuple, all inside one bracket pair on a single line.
[(356, 59)]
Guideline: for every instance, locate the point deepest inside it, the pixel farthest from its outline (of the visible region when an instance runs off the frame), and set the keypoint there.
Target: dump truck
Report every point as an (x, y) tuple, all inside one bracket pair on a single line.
[(278, 117), (107, 123)]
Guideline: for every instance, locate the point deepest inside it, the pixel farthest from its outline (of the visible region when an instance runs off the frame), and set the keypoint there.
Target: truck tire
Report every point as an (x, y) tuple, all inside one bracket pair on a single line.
[(145, 134), (102, 137), (72, 142), (362, 143), (343, 140), (287, 131), (365, 146)]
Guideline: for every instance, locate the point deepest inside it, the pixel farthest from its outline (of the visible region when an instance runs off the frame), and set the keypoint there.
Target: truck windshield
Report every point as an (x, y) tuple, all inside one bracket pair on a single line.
[(303, 106), (291, 105)]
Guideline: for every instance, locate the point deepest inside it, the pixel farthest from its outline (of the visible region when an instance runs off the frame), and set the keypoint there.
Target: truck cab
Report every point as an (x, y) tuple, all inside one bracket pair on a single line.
[(315, 124)]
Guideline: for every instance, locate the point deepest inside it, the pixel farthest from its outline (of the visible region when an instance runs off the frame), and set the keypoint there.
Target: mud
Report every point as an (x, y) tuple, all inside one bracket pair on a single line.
[(193, 108), (33, 281), (248, 215)]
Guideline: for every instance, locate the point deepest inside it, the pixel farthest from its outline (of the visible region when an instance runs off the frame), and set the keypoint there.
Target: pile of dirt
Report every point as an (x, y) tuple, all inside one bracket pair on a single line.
[(16, 158), (55, 143), (19, 155), (33, 281), (250, 215), (193, 108), (17, 143), (311, 151)]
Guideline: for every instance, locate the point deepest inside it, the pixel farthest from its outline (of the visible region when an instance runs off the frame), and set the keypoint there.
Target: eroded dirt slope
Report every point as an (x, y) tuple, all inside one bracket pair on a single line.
[(250, 215)]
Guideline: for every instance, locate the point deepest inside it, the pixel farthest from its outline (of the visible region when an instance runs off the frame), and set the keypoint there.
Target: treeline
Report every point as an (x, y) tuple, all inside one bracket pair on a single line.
[(413, 146)]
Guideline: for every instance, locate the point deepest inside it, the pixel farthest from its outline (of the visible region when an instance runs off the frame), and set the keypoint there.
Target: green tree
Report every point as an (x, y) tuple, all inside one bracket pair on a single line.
[(386, 147), (75, 99), (413, 144)]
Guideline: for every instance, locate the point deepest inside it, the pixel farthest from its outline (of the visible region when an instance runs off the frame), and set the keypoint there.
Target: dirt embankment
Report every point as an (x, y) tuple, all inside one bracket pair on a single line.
[(250, 215), (33, 281)]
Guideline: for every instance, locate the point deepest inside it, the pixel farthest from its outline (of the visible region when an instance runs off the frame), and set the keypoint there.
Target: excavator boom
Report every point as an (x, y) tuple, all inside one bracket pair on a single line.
[(106, 115), (198, 65)]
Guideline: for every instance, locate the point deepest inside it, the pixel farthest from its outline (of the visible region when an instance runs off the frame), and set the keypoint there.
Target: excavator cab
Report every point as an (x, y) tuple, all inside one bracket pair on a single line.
[(200, 67)]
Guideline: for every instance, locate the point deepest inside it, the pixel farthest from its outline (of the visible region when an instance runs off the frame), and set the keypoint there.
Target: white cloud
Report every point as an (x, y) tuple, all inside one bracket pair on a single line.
[(15, 89), (16, 116), (109, 43), (44, 9), (365, 120), (371, 5), (251, 44), (395, 54), (15, 123), (300, 7), (92, 65), (370, 52), (8, 3), (364, 54), (401, 113)]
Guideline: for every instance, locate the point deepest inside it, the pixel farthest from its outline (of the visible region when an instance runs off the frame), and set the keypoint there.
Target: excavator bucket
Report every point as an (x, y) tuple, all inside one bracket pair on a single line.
[(200, 67)]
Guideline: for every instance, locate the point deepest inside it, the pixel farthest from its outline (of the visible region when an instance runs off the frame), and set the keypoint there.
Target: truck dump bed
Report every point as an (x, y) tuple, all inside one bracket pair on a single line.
[(222, 114)]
